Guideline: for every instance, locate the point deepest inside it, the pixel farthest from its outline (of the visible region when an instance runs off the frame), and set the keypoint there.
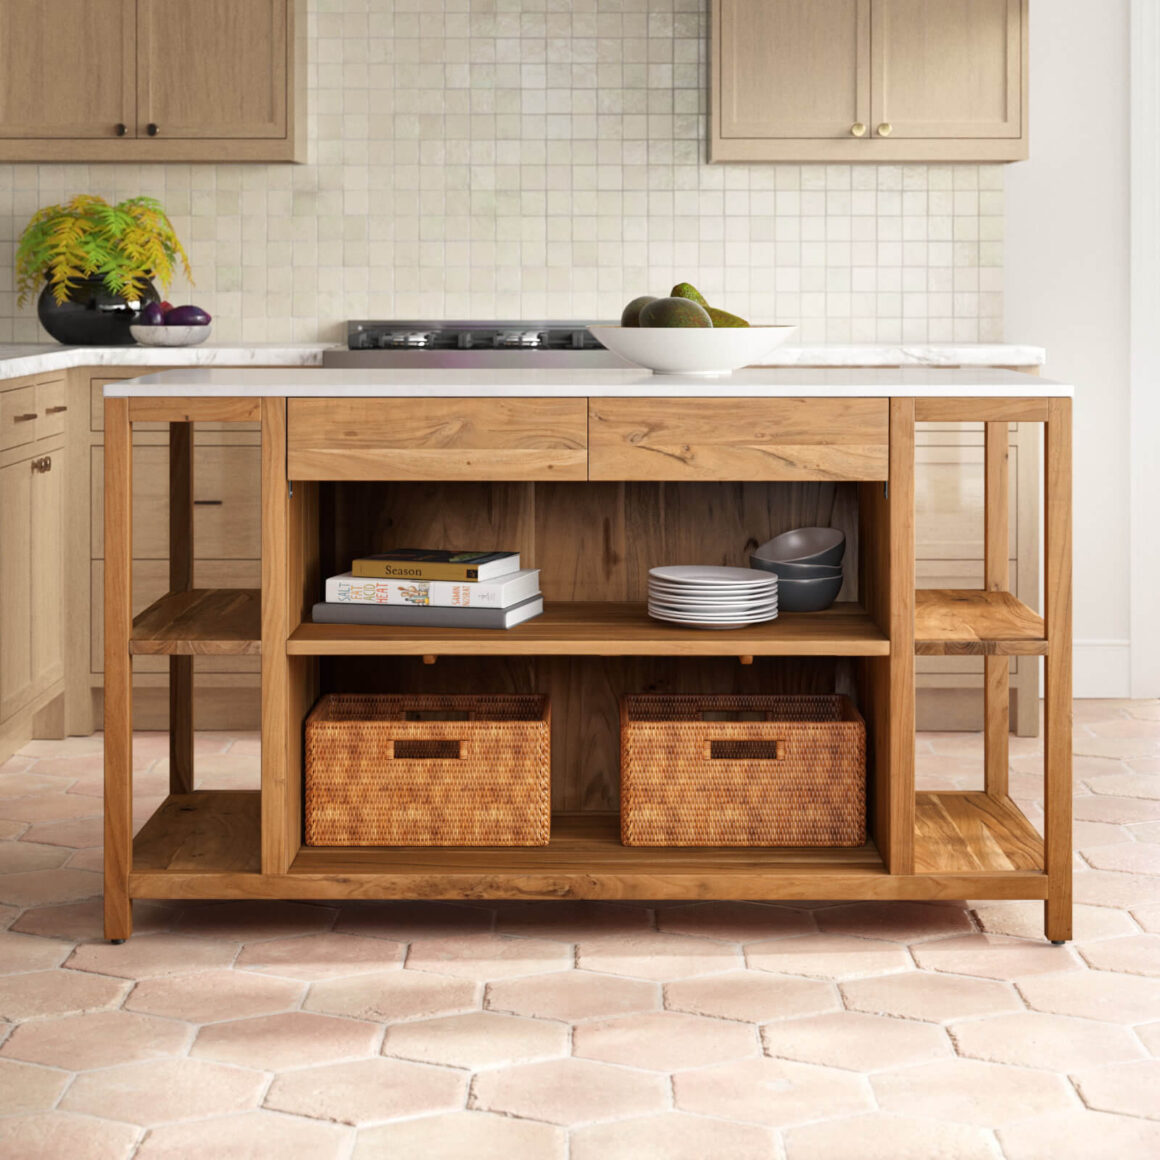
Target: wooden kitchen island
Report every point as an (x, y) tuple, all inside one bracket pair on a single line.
[(594, 477)]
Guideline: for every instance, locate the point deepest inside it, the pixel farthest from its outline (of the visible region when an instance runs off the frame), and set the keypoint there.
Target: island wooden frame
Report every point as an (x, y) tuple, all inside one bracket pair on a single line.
[(223, 844)]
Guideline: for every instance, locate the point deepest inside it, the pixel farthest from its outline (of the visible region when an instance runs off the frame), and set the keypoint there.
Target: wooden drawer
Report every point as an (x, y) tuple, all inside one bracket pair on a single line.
[(444, 439), (51, 407), (738, 439), (18, 417), (227, 499)]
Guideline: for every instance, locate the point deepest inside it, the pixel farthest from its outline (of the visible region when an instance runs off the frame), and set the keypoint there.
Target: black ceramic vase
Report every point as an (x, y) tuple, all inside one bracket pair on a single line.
[(91, 316)]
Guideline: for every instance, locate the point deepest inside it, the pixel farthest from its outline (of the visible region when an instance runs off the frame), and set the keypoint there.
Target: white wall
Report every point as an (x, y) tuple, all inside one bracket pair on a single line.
[(1067, 288)]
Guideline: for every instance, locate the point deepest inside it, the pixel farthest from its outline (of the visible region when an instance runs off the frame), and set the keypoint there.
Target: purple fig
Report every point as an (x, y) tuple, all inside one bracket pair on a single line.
[(152, 315), (187, 316)]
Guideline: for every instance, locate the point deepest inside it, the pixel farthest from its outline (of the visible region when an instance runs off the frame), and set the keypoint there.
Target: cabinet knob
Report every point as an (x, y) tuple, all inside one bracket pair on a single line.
[(120, 129), (151, 129), (43, 464), (857, 129), (885, 129)]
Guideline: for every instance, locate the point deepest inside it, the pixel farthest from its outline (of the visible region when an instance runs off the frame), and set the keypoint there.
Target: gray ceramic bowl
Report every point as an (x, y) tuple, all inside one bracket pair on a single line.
[(785, 571), (805, 546), (807, 595)]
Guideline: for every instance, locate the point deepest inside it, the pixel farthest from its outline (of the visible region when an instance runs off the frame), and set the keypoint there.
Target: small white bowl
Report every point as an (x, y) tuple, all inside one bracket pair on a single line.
[(692, 350), (171, 335)]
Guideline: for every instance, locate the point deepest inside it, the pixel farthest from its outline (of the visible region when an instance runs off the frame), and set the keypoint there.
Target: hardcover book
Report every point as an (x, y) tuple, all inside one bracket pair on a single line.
[(422, 564), (431, 617), (501, 593)]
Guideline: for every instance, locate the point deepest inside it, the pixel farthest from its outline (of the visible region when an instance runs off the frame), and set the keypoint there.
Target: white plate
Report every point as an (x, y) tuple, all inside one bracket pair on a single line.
[(730, 617), (677, 350), (711, 574), (712, 605), (709, 623), (708, 593)]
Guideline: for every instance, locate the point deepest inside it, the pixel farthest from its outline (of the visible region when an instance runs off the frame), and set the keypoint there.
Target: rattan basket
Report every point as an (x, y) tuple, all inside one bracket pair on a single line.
[(742, 771), (428, 771)]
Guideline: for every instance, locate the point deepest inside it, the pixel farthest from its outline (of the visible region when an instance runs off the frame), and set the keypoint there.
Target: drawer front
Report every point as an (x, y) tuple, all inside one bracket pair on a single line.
[(97, 412), (51, 408), (18, 417), (444, 439), (738, 439), (227, 502)]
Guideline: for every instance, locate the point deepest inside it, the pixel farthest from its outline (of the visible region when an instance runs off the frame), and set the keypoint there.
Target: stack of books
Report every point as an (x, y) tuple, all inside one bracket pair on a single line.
[(433, 589)]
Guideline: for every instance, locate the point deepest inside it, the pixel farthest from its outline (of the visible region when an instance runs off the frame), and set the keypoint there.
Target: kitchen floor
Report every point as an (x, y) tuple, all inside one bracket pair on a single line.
[(813, 1031)]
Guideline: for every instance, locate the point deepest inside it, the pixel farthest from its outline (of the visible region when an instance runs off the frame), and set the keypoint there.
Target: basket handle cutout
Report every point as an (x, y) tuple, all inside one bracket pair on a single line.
[(731, 749), (425, 750)]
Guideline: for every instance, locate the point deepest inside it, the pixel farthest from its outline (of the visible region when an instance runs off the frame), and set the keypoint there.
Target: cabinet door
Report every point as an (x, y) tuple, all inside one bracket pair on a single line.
[(947, 68), (213, 69), (15, 589), (792, 68), (66, 68), (47, 558)]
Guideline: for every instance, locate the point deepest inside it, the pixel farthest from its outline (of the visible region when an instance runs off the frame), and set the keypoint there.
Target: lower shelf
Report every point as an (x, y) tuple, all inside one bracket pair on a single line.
[(207, 845)]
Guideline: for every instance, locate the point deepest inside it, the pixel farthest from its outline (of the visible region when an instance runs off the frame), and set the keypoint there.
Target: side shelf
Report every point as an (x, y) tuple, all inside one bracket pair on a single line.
[(975, 622), (200, 622)]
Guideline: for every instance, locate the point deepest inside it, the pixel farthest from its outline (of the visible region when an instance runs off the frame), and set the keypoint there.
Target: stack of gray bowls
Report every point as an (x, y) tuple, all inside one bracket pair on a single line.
[(808, 566)]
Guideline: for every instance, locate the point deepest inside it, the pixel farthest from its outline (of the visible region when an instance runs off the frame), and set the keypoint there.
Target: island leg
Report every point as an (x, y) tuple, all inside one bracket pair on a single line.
[(996, 669), (180, 580)]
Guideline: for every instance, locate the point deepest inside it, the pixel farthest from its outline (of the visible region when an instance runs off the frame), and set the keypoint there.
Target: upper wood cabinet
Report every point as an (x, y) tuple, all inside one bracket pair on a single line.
[(151, 80), (869, 80)]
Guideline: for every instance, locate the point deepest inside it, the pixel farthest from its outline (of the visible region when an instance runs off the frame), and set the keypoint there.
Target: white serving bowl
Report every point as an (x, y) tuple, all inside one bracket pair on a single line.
[(170, 335), (692, 350)]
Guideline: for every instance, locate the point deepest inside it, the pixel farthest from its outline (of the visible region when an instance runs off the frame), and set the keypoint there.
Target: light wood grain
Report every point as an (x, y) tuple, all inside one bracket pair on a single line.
[(181, 553), (996, 669), (46, 569), (1057, 685), (162, 409), (118, 736), (215, 831), (974, 622), (15, 587), (18, 417), (449, 439), (979, 410), (973, 831), (762, 439), (51, 407), (200, 622)]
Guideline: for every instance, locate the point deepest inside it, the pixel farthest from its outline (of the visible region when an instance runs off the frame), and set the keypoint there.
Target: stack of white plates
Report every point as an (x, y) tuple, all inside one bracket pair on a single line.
[(705, 596)]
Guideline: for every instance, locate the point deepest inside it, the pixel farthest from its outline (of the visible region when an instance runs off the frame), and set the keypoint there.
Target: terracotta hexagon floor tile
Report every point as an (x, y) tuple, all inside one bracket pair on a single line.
[(100, 1039), (829, 956), (321, 956), (969, 1091), (1096, 995), (462, 1135), (771, 1092), (857, 1042), (896, 921), (1025, 920), (55, 1134), (932, 998), (673, 1136), (994, 956), (27, 952), (164, 1090), (659, 956), (1143, 832), (741, 922), (1115, 888), (10, 831), (488, 956), (248, 1136), (569, 1091), (751, 996), (572, 995), (410, 920), (1131, 1089), (367, 1091), (291, 1039), (1131, 857), (22, 857), (84, 921), (879, 1136), (664, 1041), (1148, 917), (1081, 1135), (8, 915), (393, 995), (42, 993), (23, 784), (476, 1040), (1085, 835), (1137, 785), (1100, 808), (1138, 955), (77, 832), (91, 859), (1035, 1039), (250, 922), (212, 996), (25, 1088), (569, 921), (41, 887), (146, 955)]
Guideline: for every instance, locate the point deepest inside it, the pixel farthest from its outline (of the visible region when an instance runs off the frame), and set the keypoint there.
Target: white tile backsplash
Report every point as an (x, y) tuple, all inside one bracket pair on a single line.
[(543, 158)]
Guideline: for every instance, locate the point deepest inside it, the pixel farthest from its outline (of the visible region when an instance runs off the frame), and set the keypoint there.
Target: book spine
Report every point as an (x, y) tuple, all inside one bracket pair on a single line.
[(407, 570), (420, 593)]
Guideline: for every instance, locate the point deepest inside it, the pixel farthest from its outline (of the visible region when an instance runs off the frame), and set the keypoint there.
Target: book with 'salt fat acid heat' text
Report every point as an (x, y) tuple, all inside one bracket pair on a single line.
[(424, 564), (501, 593), (428, 617)]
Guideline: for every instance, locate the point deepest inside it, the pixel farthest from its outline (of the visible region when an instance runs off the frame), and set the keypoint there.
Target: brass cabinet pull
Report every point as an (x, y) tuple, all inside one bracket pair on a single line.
[(857, 129), (885, 129), (43, 464), (26, 418), (55, 410)]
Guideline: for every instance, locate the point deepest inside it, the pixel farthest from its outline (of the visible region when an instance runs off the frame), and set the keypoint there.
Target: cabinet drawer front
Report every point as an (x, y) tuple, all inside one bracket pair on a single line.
[(18, 417), (445, 439), (51, 408), (738, 439)]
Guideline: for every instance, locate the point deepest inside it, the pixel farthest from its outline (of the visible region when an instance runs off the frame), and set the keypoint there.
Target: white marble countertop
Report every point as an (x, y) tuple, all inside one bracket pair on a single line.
[(753, 382)]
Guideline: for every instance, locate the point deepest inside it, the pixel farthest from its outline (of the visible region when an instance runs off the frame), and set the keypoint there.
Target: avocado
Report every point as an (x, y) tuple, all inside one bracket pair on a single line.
[(631, 313), (688, 290), (724, 318), (674, 312)]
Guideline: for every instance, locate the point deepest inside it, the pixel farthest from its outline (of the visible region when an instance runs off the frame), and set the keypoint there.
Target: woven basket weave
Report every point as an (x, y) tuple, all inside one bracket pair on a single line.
[(428, 771), (742, 771)]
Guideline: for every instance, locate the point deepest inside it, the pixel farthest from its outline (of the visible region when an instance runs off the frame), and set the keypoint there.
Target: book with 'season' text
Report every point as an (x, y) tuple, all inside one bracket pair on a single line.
[(423, 564), (430, 616)]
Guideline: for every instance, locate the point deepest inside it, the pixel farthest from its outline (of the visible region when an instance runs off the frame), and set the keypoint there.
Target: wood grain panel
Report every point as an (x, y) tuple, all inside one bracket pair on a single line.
[(448, 439), (161, 409), (973, 831), (966, 622), (18, 417), (757, 439)]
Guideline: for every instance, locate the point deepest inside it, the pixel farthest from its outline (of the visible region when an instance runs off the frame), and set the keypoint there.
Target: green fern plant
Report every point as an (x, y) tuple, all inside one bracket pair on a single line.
[(125, 245)]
